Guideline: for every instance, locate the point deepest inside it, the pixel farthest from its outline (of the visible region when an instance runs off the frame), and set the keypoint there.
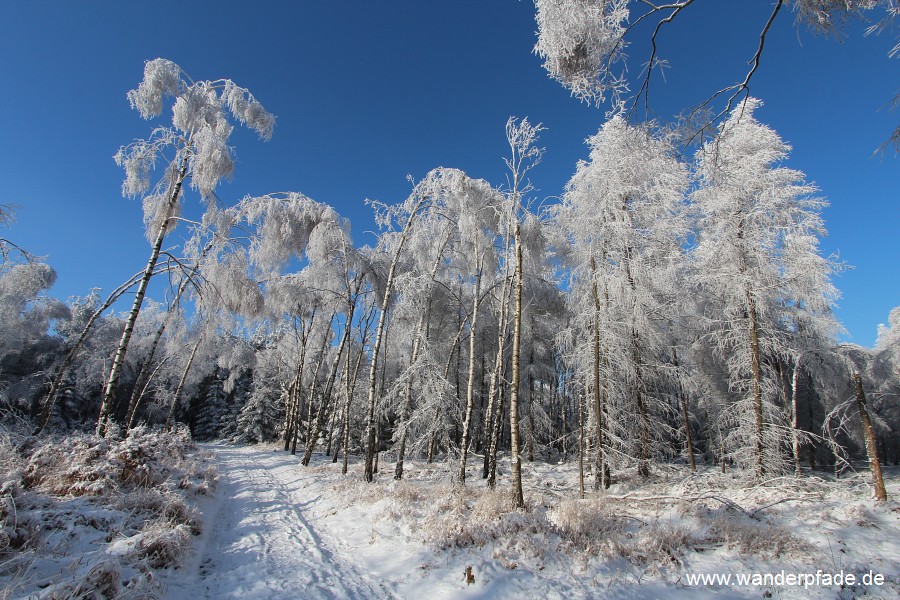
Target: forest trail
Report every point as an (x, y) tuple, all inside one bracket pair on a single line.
[(258, 542)]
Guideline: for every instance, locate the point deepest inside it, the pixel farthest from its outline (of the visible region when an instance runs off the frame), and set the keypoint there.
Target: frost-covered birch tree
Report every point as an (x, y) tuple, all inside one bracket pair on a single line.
[(431, 238), (808, 321), (525, 154), (393, 244), (284, 229), (194, 149), (475, 207)]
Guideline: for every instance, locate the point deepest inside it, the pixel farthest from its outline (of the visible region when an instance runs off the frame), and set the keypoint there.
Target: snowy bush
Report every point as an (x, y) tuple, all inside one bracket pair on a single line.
[(585, 525), (76, 465), (164, 543), (656, 544), (749, 537), (354, 491), (106, 512), (102, 581), (168, 505), (17, 529), (599, 528), (82, 464), (464, 517)]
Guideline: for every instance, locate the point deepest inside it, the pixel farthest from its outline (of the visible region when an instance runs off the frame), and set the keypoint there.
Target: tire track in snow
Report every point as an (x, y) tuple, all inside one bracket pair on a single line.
[(260, 545)]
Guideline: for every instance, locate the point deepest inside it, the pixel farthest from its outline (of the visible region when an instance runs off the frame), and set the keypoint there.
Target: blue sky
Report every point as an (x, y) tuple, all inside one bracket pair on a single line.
[(368, 92)]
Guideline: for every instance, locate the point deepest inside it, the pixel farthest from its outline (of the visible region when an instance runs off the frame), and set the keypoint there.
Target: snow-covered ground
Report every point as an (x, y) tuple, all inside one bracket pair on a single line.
[(259, 540), (86, 517), (276, 529)]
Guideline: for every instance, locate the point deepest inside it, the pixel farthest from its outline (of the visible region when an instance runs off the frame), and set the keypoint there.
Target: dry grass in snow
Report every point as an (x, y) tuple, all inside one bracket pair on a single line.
[(87, 517), (638, 539)]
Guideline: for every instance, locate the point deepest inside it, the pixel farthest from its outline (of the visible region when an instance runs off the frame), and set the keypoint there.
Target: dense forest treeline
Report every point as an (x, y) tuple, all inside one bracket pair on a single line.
[(664, 309)]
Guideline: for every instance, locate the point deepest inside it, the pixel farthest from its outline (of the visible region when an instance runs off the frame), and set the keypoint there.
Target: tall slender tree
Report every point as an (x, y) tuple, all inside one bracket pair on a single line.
[(623, 219), (198, 138), (525, 154), (407, 213), (756, 223)]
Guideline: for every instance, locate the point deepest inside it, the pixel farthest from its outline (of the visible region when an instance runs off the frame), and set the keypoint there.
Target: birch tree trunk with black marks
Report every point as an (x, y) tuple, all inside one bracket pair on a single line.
[(170, 420), (369, 472), (107, 405), (470, 380), (515, 450), (139, 381)]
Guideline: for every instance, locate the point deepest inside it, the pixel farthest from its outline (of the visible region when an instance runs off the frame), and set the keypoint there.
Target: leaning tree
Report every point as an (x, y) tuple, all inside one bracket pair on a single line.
[(194, 148)]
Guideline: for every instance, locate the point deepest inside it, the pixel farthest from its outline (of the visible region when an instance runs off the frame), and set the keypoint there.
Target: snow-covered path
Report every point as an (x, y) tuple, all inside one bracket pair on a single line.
[(259, 543)]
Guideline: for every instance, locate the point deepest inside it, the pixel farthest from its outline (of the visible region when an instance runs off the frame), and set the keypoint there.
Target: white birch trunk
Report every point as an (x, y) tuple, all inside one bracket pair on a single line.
[(369, 473), (107, 405), (470, 381), (518, 498)]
